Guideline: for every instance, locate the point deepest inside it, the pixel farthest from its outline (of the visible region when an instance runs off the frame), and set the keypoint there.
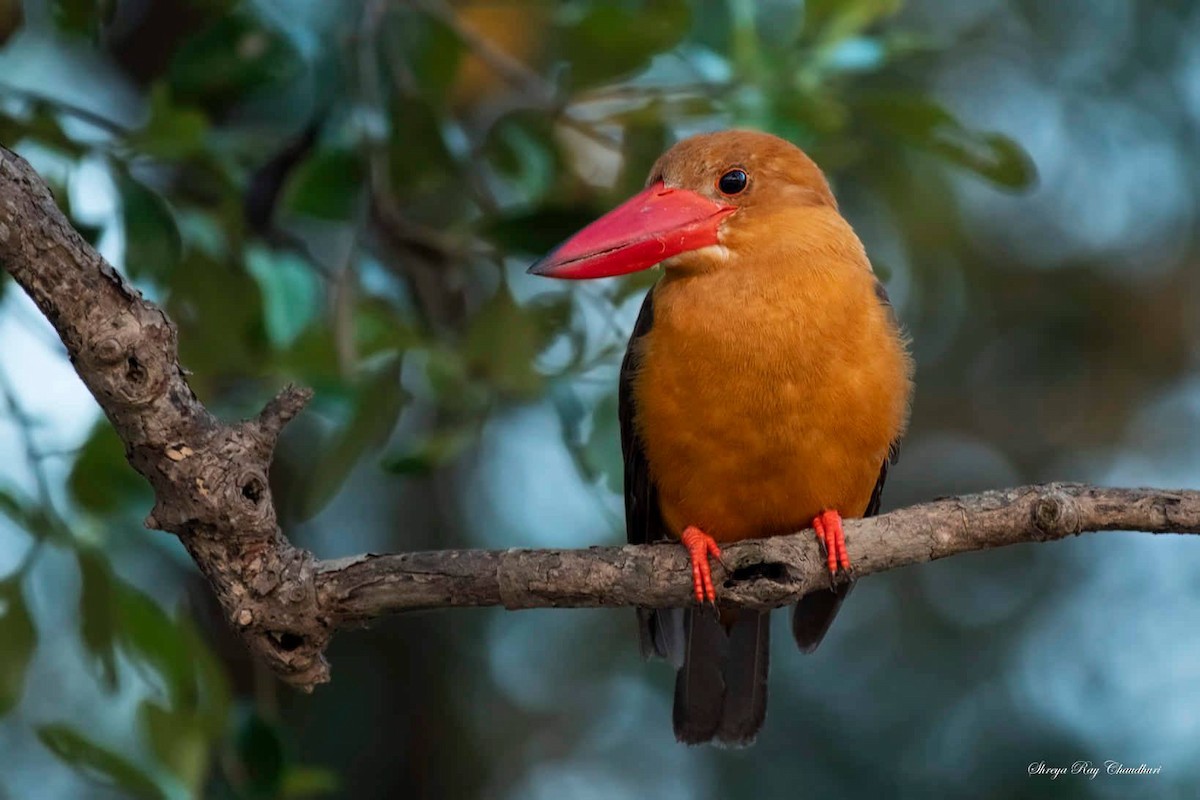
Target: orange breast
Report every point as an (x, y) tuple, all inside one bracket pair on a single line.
[(763, 400)]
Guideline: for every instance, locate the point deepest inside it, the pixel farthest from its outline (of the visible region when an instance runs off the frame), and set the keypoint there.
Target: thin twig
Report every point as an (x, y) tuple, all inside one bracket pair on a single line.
[(33, 455), (510, 69), (35, 458), (61, 106), (421, 257)]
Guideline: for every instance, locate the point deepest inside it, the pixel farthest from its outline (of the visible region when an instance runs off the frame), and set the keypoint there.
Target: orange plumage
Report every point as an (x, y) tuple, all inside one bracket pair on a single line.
[(765, 389), (773, 380)]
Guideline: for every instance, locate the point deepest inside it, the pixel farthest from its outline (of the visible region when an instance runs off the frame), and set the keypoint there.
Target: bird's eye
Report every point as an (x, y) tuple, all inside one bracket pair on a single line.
[(733, 181)]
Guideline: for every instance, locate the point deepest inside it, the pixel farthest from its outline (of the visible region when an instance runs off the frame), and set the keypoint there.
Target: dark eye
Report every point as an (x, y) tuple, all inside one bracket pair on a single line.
[(733, 181)]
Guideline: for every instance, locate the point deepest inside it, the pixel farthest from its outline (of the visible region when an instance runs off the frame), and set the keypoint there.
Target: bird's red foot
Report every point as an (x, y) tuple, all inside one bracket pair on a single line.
[(700, 546), (828, 525)]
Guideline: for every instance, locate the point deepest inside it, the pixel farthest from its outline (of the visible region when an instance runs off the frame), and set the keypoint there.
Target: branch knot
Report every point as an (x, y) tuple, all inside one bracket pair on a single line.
[(1055, 514)]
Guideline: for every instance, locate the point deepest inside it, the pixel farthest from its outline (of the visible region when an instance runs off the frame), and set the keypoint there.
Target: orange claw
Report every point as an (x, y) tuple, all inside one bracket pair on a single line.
[(700, 546), (828, 526)]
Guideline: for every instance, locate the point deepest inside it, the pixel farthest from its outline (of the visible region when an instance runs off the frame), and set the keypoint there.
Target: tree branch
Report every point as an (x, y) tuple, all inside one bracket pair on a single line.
[(209, 478), (761, 573), (210, 484)]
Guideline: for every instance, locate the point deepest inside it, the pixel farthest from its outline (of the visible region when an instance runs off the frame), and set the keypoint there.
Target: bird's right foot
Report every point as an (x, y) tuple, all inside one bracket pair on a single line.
[(828, 525), (700, 546)]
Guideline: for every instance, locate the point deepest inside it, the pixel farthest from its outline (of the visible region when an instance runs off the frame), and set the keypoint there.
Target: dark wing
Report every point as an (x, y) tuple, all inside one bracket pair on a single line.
[(815, 612), (642, 522), (873, 506), (660, 631), (877, 494), (894, 449)]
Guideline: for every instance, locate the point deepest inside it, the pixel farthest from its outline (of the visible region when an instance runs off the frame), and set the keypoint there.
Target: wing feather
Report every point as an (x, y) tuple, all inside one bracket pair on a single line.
[(660, 631)]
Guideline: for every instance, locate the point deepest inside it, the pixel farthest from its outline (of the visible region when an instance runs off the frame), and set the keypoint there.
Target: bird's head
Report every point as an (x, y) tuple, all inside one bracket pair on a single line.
[(704, 202)]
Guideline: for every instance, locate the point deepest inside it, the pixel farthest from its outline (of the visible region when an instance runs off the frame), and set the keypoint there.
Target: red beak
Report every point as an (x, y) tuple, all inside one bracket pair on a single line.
[(646, 229)]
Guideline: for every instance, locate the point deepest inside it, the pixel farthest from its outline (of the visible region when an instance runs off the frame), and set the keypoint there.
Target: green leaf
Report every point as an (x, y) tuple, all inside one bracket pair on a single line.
[(777, 23), (614, 40), (433, 53), (172, 132), (993, 156), (204, 231), (602, 451), (379, 333), (213, 711), (711, 28), (522, 148), (76, 17), (378, 401), (598, 455), (327, 185), (97, 613), (170, 652), (312, 359), (290, 293), (153, 640), (19, 508), (831, 21), (300, 782), (539, 231), (115, 614), (923, 123), (17, 641), (41, 125), (152, 243), (446, 372), (34, 518), (97, 762), (101, 480), (261, 755), (501, 343), (10, 506), (90, 233), (643, 144), (177, 741), (12, 17), (62, 198), (422, 171), (229, 59), (205, 289), (430, 452), (378, 329)]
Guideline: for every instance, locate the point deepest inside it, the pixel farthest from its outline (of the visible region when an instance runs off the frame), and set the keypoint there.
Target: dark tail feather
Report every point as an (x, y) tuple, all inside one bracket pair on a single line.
[(662, 633), (814, 614), (746, 678), (699, 684), (721, 689)]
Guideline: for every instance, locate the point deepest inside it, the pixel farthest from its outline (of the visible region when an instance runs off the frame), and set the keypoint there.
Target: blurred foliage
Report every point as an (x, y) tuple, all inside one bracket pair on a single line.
[(19, 641), (344, 195)]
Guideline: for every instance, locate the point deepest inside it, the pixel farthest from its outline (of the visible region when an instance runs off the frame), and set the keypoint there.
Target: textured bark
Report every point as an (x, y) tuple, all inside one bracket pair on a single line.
[(209, 478), (763, 573), (210, 484)]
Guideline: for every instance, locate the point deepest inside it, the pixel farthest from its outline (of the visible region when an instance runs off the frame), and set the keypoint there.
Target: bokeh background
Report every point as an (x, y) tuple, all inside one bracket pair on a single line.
[(345, 195)]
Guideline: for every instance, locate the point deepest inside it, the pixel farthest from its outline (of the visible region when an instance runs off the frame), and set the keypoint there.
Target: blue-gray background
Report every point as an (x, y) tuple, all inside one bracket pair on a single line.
[(1024, 175)]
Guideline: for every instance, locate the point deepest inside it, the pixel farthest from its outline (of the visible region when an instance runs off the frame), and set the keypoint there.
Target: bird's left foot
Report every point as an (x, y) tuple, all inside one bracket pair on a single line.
[(700, 546), (828, 525)]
